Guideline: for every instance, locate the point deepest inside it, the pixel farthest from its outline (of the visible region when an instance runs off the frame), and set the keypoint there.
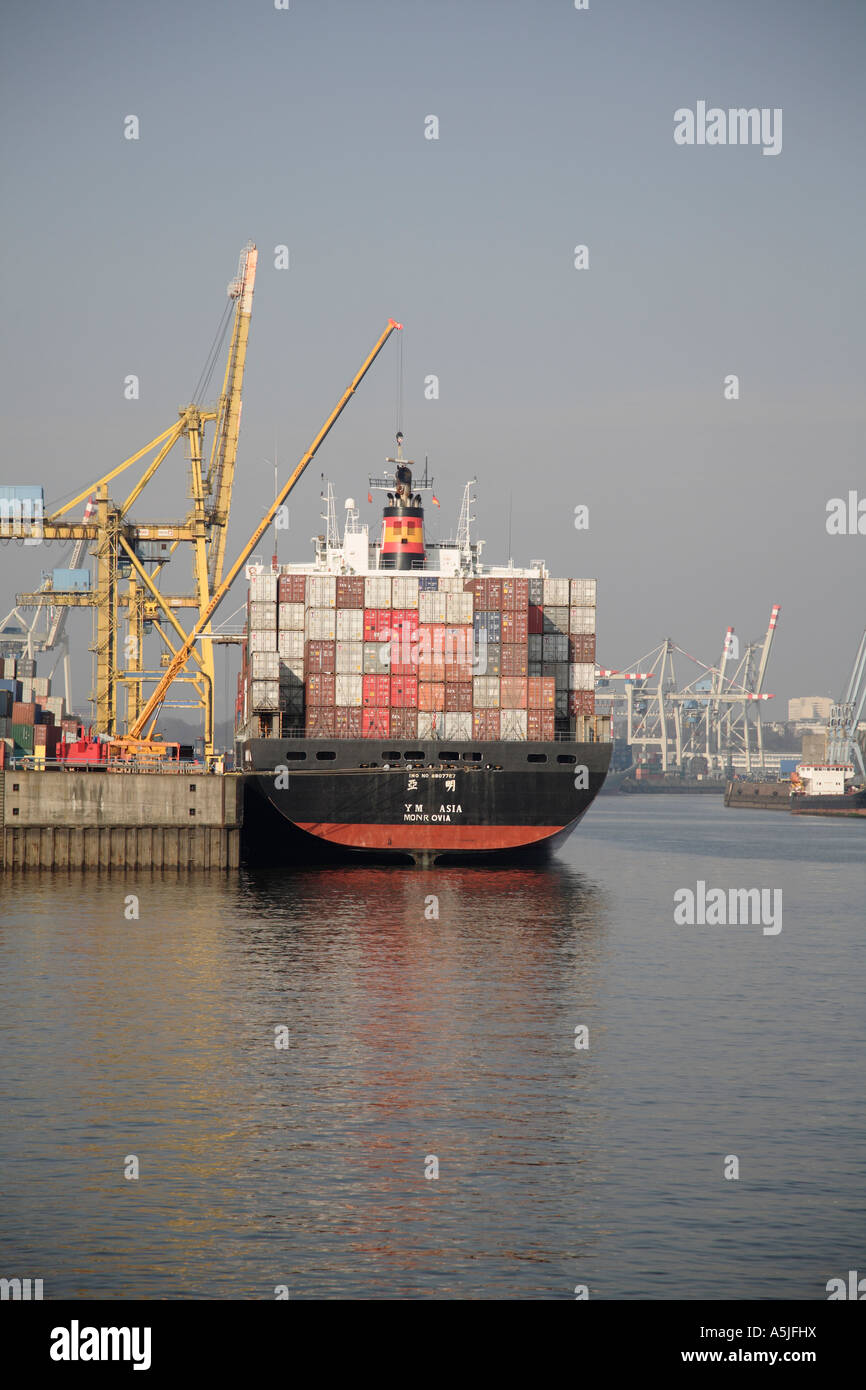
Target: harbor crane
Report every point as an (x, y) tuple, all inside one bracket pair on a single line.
[(842, 742)]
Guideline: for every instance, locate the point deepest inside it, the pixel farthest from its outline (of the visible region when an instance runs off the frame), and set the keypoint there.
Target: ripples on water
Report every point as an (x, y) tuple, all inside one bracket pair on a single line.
[(412, 1036)]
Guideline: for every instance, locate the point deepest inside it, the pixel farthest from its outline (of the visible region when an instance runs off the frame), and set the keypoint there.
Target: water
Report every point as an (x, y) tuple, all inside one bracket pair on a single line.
[(413, 1037)]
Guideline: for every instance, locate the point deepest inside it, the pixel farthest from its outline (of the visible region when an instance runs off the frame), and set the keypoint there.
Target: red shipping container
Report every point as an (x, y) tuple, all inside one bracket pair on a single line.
[(431, 671), (581, 647), (581, 702), (291, 588), (348, 722), (513, 659), (512, 692), (541, 725), (321, 688), (515, 626), (350, 591), (40, 735), (404, 624), (321, 722), (404, 723), (515, 594), (377, 624), (535, 616), (24, 712), (320, 656), (458, 697), (404, 692), (485, 723), (431, 695), (375, 723), (541, 692), (375, 691)]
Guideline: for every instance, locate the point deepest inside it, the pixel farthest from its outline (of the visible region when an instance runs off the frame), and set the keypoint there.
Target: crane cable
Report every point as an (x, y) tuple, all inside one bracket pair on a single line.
[(207, 370), (399, 387)]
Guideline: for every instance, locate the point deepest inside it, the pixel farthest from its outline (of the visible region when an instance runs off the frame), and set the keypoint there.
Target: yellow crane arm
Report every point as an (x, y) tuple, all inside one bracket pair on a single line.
[(179, 659)]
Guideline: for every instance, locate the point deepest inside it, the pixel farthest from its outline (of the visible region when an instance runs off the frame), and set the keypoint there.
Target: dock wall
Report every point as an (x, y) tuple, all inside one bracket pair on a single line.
[(102, 820)]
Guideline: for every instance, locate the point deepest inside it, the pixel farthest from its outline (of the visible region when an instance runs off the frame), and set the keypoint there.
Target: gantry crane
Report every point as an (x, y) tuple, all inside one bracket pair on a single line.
[(140, 739), (124, 548), (842, 743)]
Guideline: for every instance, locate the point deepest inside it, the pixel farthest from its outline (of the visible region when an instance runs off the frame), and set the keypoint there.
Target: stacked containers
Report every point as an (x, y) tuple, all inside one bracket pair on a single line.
[(262, 644)]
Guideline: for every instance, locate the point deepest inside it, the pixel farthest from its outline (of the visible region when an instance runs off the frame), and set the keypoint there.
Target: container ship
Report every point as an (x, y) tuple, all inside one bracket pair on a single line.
[(399, 700)]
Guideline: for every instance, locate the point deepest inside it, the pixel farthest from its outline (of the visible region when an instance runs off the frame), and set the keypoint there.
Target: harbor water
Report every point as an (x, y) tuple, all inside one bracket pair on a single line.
[(369, 1082)]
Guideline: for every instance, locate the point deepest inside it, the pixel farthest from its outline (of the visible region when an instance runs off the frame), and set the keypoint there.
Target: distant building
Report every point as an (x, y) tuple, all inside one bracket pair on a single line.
[(807, 707)]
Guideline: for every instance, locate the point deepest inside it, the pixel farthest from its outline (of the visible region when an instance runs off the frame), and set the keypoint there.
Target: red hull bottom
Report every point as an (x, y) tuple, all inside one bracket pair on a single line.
[(456, 838)]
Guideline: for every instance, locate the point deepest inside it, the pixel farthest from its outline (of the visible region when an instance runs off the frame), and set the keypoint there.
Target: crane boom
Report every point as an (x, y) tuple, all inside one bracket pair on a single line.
[(151, 709)]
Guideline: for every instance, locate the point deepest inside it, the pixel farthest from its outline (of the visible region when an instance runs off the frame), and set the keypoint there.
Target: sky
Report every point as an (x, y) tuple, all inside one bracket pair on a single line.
[(559, 387)]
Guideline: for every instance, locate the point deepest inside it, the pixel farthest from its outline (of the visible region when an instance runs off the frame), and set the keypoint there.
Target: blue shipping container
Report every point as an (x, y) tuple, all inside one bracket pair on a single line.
[(428, 581), (490, 622), (23, 492), (787, 766), (13, 686)]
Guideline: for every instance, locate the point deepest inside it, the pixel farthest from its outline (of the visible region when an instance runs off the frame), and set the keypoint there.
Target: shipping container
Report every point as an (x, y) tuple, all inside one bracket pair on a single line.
[(321, 624), (404, 692), (321, 688), (262, 640), (515, 594), (350, 624), (432, 607), (404, 623), (541, 725), (290, 617), (489, 623), (431, 671), (485, 724), (404, 723), (349, 689), (581, 620), (350, 591), (321, 721), (292, 699), (404, 592), (458, 697), (581, 647), (22, 737), (581, 675), (262, 615), (556, 620), (535, 618), (24, 712), (265, 666), (540, 693), (581, 702), (263, 588), (513, 725), (13, 687), (554, 647), (458, 609), (265, 695), (376, 692), (582, 593), (350, 657), (428, 582), (321, 591), (556, 593), (348, 720), (377, 591), (512, 692), (292, 588), (536, 592), (485, 692), (490, 659), (558, 670), (290, 644), (377, 658), (376, 721), (459, 726), (431, 695), (377, 624), (321, 656), (515, 625), (293, 672), (513, 659)]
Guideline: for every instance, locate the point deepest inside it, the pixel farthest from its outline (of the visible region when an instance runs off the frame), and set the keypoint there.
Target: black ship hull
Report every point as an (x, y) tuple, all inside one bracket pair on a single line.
[(415, 802)]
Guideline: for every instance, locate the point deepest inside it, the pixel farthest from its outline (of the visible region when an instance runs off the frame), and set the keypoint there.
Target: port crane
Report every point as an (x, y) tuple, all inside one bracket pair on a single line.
[(842, 743), (131, 554), (140, 741)]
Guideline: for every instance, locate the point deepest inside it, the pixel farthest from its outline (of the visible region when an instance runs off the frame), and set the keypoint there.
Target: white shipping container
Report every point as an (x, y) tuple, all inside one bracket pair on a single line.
[(263, 615), (535, 649), (556, 593), (458, 726), (458, 608), (350, 658), (291, 617), (558, 670), (291, 643), (349, 690), (350, 625), (581, 620), (513, 725), (263, 588), (377, 658), (485, 692), (321, 624), (265, 666), (554, 647), (321, 590), (265, 695), (582, 593), (431, 606), (404, 591), (41, 687), (431, 723), (262, 640), (451, 584), (377, 591), (292, 672), (581, 675)]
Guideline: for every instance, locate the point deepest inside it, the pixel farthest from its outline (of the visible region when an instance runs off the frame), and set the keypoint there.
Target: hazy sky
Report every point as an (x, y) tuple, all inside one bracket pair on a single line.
[(558, 386)]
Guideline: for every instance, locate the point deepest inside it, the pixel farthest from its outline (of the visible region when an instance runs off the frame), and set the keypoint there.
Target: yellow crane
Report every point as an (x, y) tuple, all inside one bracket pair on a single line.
[(141, 744), (123, 547)]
